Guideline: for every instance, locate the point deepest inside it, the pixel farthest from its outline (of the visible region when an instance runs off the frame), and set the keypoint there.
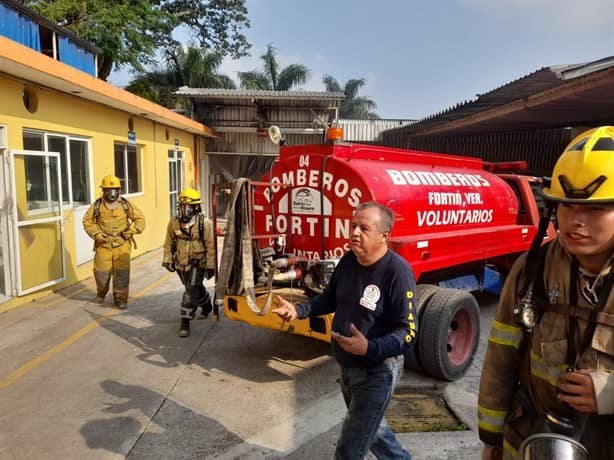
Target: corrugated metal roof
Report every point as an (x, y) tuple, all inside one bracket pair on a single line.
[(245, 143), (368, 130), (216, 93), (540, 81)]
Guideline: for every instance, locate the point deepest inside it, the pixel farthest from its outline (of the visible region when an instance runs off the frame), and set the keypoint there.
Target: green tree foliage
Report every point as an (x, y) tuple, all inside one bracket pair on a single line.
[(191, 66), (353, 106), (271, 77), (129, 31)]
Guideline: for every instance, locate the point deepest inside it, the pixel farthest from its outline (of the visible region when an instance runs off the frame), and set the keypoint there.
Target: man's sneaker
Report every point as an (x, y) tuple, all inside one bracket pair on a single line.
[(99, 300), (122, 305), (184, 329)]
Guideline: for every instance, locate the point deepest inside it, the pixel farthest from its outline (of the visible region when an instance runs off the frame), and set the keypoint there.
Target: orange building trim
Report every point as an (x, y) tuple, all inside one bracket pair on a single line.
[(18, 61)]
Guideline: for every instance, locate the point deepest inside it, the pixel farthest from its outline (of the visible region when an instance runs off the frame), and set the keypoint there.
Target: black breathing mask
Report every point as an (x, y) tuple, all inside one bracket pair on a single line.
[(110, 194), (186, 212)]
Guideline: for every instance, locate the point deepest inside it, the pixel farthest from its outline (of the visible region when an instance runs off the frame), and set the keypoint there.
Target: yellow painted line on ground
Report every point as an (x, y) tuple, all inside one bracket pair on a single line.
[(41, 302), (51, 303), (38, 302), (40, 359), (33, 363)]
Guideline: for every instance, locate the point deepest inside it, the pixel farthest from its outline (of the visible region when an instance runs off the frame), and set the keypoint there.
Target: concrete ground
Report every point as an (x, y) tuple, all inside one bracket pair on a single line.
[(80, 380)]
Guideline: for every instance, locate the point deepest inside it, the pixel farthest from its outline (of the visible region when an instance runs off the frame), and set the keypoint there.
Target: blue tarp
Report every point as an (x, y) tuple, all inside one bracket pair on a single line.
[(19, 28), (466, 283), (73, 55), (491, 281)]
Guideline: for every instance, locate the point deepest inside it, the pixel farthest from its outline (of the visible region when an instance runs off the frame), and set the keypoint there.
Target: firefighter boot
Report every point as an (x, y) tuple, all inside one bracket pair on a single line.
[(184, 329), (205, 310)]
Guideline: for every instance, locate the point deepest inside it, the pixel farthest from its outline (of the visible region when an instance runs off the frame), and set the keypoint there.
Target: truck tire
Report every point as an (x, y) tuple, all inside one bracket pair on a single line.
[(424, 292), (449, 332)]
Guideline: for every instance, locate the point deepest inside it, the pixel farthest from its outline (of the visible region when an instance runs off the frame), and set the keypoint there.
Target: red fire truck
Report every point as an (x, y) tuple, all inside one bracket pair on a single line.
[(459, 222)]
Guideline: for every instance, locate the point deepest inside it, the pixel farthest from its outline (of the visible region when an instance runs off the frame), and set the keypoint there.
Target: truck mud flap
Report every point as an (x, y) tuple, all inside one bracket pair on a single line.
[(449, 331)]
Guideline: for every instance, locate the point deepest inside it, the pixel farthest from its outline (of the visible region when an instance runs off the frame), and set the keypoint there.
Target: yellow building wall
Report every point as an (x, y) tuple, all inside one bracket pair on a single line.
[(68, 114)]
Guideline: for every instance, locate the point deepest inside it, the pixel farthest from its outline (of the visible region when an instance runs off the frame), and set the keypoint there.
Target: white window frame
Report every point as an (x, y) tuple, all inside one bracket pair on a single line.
[(6, 236), (177, 157), (68, 172)]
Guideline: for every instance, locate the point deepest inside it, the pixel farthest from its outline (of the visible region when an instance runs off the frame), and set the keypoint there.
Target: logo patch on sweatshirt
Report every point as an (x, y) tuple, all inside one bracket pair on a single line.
[(370, 296)]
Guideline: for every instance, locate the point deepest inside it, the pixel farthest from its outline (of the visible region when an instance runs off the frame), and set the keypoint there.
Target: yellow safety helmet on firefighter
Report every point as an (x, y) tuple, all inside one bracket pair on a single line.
[(584, 173), (189, 196), (110, 181)]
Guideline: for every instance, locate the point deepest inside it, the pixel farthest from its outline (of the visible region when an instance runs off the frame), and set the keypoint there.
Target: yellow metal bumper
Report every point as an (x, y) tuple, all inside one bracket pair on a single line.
[(237, 309)]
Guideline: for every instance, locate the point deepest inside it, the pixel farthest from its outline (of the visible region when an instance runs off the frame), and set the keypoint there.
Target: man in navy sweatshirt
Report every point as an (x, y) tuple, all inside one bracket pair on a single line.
[(372, 293)]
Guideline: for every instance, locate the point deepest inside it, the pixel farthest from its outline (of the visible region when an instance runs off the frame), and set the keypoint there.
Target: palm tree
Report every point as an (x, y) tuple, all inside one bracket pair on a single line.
[(271, 78), (193, 67), (353, 106)]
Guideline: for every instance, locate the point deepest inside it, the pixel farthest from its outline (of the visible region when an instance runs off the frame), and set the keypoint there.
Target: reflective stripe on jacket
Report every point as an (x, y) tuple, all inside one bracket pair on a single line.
[(181, 246), (506, 412), (114, 223)]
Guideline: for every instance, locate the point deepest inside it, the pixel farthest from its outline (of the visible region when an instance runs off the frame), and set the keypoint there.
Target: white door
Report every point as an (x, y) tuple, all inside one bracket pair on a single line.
[(37, 219), (5, 254), (175, 179)]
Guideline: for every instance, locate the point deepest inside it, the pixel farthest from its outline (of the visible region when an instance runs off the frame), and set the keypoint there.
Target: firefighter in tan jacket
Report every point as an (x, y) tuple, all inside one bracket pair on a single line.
[(188, 249), (112, 221), (549, 366)]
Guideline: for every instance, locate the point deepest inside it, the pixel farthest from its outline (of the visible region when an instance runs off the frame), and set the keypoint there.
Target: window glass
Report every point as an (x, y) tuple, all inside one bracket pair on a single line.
[(74, 155), (127, 168), (36, 182), (33, 141), (175, 178), (79, 168), (120, 170), (53, 181), (134, 184), (57, 144)]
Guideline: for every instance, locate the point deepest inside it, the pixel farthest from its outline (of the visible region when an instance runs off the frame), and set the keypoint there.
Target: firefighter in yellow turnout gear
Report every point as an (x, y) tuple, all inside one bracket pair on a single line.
[(112, 221), (188, 249), (549, 366)]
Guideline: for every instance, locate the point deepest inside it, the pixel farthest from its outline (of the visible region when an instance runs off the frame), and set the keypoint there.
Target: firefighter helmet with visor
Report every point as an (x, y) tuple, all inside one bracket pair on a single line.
[(189, 204), (189, 196), (584, 173)]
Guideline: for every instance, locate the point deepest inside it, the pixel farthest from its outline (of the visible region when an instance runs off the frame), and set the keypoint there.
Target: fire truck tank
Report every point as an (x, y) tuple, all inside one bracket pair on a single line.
[(448, 209)]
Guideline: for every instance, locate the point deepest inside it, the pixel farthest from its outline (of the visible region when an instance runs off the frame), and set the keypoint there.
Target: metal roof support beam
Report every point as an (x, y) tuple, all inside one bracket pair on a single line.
[(247, 129), (589, 82)]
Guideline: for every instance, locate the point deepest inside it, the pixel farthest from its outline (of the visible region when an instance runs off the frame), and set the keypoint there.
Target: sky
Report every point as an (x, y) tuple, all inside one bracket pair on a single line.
[(421, 57)]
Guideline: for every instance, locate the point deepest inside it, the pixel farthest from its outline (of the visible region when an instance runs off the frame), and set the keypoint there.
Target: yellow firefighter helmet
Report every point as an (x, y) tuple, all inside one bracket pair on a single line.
[(189, 196), (110, 181), (584, 173)]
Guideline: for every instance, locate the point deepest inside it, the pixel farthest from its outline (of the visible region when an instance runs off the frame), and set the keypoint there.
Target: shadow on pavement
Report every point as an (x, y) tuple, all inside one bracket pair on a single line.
[(257, 355), (179, 433), (148, 334), (227, 346)]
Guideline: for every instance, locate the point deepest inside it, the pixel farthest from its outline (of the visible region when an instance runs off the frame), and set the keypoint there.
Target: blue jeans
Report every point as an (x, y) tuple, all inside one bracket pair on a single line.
[(367, 393)]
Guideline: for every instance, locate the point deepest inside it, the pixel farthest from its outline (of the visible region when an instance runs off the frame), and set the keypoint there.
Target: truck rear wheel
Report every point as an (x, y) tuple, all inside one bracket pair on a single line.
[(449, 331), (424, 292)]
